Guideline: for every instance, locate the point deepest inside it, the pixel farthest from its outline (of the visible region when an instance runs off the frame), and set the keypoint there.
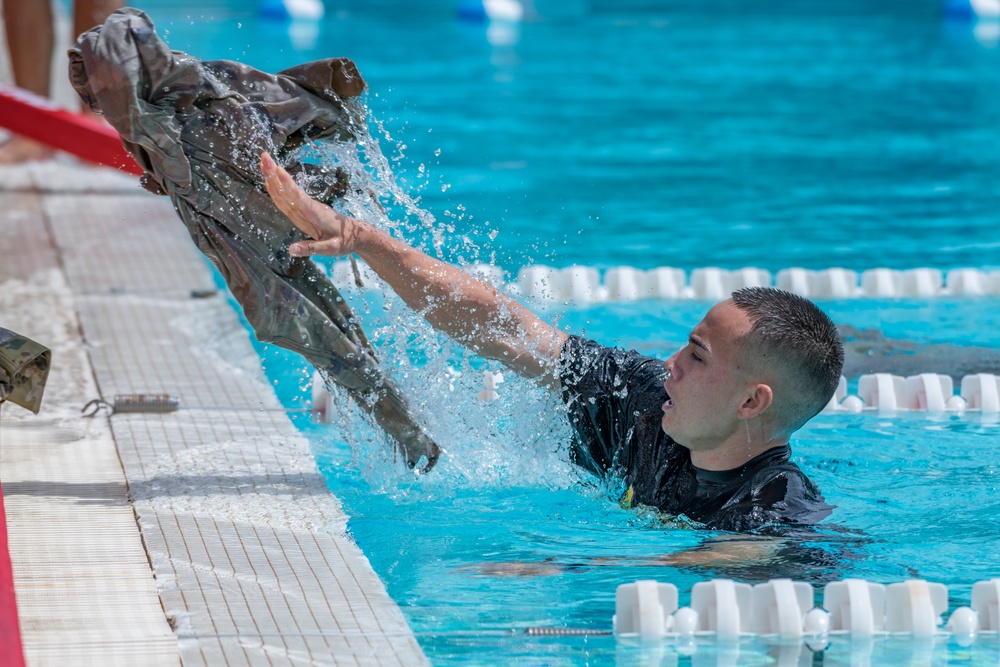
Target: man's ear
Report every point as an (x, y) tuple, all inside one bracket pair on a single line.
[(760, 398)]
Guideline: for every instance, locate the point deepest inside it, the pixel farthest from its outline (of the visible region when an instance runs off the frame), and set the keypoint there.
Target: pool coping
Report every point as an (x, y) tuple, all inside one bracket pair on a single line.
[(249, 550)]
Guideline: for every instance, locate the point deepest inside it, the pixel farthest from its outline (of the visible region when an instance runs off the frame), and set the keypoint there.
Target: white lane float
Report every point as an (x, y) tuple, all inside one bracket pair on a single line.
[(710, 284), (926, 392), (982, 392), (800, 281), (491, 382), (838, 396), (920, 283), (726, 610), (582, 285), (879, 283), (836, 283), (666, 283), (966, 282), (539, 281), (489, 272), (883, 393), (625, 283)]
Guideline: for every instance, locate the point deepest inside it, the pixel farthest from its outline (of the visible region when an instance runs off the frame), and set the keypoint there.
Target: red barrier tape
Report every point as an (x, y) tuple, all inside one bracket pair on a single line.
[(11, 650), (38, 118)]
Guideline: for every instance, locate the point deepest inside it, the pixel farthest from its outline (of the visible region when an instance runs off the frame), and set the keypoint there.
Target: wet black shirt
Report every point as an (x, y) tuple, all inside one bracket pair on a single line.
[(614, 400)]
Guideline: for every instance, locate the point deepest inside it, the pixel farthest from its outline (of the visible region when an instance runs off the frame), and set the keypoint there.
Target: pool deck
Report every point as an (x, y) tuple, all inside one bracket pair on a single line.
[(204, 536)]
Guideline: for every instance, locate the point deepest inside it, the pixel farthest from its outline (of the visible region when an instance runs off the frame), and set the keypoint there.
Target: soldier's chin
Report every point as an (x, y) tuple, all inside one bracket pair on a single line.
[(672, 432)]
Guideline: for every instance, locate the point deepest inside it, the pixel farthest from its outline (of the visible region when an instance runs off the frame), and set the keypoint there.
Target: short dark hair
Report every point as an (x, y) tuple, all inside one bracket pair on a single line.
[(792, 336)]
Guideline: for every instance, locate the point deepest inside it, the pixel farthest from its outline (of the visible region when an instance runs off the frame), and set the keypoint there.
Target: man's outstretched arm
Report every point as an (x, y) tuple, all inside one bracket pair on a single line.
[(472, 312)]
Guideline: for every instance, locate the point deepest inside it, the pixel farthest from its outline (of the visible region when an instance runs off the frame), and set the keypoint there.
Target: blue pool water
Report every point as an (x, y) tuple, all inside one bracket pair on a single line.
[(672, 133)]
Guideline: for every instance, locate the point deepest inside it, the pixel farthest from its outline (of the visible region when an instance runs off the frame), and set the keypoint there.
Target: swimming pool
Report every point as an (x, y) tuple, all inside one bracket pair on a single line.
[(772, 135)]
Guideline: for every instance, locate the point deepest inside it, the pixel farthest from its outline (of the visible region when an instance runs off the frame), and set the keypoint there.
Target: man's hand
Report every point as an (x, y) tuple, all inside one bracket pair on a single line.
[(470, 311), (333, 233)]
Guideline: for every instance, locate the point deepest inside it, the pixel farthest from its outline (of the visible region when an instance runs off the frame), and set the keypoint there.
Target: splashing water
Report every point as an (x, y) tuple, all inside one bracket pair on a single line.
[(519, 440)]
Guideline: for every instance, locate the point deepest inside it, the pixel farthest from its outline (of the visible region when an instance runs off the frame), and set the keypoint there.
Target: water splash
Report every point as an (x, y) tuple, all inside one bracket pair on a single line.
[(518, 440)]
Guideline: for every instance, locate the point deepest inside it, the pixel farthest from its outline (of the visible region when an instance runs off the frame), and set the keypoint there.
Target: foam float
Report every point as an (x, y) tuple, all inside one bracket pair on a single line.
[(491, 10), (726, 610), (926, 392), (879, 392), (582, 285)]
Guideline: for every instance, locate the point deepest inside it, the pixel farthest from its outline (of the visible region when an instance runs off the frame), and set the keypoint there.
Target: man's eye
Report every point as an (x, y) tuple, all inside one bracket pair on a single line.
[(695, 356)]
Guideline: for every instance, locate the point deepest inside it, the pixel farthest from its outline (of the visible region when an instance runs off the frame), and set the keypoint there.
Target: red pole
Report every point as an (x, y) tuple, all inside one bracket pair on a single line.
[(37, 118), (11, 649)]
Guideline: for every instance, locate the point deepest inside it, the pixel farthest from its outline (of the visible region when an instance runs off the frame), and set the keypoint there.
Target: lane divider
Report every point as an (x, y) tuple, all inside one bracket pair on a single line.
[(878, 392), (582, 285), (926, 392), (727, 610)]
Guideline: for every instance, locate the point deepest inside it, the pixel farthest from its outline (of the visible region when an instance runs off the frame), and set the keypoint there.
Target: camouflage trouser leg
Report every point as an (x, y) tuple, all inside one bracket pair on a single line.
[(198, 130), (387, 406), (305, 313)]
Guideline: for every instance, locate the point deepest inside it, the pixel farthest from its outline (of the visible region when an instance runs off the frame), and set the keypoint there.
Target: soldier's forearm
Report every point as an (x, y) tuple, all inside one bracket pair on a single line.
[(470, 311)]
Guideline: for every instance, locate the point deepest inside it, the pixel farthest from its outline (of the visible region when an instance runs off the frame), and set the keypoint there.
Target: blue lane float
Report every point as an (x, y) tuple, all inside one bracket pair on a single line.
[(298, 10), (972, 9), (490, 10)]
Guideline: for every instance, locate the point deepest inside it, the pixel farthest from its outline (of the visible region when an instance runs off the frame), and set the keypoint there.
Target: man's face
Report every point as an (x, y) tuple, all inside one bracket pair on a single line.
[(706, 385)]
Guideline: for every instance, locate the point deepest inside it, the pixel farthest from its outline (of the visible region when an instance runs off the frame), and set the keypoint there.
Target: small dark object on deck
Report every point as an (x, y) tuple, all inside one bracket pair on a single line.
[(133, 403)]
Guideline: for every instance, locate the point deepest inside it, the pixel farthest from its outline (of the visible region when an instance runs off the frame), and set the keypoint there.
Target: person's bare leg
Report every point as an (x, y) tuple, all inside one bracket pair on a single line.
[(30, 38), (88, 13)]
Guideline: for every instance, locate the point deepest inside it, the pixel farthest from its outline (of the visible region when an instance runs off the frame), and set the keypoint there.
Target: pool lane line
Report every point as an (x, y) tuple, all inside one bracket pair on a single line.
[(533, 631), (11, 648)]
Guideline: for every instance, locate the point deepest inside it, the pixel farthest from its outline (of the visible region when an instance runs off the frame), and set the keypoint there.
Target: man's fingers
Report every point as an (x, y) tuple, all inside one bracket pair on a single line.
[(287, 195), (322, 223), (268, 165), (279, 183), (330, 247)]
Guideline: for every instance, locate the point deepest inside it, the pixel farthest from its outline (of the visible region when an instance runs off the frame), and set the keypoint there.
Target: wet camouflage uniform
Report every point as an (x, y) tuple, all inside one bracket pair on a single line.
[(198, 129)]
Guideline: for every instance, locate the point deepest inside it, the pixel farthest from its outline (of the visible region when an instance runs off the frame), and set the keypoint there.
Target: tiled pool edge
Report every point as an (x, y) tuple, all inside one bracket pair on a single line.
[(248, 545), (85, 591)]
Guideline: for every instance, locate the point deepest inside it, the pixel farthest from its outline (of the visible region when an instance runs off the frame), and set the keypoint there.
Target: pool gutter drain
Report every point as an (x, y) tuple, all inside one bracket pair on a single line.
[(162, 404)]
